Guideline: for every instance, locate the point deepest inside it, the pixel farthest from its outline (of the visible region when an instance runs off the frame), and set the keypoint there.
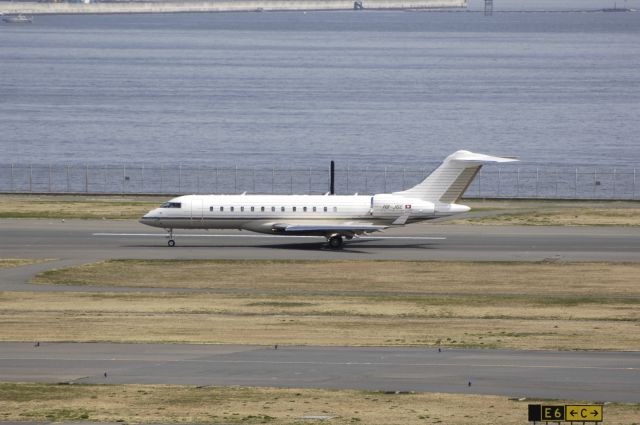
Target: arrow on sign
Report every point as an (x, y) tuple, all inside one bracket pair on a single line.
[(583, 413)]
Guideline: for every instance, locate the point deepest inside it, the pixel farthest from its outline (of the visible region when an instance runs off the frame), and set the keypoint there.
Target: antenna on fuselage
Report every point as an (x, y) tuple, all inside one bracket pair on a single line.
[(332, 179)]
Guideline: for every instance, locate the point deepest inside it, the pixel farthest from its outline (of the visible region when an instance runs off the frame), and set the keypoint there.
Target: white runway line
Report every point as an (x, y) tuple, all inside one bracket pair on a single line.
[(269, 236), (436, 238)]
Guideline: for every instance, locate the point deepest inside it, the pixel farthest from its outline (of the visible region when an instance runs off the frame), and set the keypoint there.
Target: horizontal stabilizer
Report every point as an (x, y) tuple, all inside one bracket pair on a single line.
[(478, 158)]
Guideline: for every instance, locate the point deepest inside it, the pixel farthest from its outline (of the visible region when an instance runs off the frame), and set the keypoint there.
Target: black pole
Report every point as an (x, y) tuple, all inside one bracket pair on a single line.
[(332, 186)]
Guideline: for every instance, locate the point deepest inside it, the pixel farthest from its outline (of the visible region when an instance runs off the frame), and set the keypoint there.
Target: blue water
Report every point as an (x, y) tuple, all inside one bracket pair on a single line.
[(364, 88)]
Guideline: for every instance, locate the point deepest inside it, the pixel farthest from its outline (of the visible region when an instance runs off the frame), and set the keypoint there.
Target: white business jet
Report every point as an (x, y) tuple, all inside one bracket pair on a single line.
[(335, 217)]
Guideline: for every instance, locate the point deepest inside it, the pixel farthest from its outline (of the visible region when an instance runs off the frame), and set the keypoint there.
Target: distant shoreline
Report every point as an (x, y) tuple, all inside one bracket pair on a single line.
[(34, 8)]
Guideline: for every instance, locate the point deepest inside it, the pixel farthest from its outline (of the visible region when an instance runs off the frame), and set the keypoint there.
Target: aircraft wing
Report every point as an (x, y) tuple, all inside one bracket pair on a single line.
[(345, 229)]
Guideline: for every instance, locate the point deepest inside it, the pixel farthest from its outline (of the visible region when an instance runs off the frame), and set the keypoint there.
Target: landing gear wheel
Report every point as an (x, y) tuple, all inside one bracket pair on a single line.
[(335, 242), (171, 242)]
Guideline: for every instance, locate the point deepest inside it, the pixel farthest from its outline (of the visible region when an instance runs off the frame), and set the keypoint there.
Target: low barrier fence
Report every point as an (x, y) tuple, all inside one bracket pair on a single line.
[(491, 182)]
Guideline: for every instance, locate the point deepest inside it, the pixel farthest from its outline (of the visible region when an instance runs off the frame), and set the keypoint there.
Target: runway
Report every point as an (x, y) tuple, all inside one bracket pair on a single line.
[(595, 376), (87, 240)]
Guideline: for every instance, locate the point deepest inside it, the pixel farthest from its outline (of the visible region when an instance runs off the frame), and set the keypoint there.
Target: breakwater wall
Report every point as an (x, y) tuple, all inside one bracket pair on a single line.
[(36, 8)]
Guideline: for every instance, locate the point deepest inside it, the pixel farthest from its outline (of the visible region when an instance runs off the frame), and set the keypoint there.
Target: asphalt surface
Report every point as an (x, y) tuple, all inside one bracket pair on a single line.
[(595, 376), (89, 239)]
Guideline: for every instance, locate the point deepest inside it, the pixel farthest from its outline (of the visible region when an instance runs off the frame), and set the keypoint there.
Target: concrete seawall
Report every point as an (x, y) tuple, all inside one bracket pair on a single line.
[(221, 6)]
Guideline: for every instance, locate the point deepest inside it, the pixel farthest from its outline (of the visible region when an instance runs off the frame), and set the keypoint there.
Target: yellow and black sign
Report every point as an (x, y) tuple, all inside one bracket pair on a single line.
[(552, 413), (583, 413), (565, 413)]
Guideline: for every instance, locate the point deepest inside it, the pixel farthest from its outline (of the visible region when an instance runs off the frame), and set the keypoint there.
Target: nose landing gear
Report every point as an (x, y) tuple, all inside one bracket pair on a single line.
[(171, 242)]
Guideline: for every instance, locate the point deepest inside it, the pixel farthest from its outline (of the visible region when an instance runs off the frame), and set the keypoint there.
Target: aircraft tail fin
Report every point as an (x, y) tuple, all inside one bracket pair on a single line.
[(447, 183)]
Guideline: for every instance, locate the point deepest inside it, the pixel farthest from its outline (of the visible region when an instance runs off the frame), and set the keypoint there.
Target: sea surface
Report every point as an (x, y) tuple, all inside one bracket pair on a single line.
[(398, 89)]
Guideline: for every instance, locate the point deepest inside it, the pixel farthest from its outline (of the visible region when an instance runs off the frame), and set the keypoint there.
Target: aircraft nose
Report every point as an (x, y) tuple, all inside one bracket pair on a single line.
[(149, 219)]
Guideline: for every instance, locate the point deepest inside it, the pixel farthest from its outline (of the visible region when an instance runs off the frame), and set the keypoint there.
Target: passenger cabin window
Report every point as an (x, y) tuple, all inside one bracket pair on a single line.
[(211, 209), (171, 205), (294, 209), (221, 208), (325, 209), (252, 209), (314, 209), (241, 208), (231, 208), (273, 209), (304, 209), (282, 209), (262, 209), (335, 209)]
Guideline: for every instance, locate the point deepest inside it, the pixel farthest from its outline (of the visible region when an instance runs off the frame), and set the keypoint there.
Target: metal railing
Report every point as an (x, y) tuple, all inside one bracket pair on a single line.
[(491, 182)]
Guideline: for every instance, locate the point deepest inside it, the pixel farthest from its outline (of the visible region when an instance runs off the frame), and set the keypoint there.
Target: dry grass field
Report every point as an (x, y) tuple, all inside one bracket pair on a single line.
[(554, 213), (15, 262), (68, 206), (460, 304), (232, 405)]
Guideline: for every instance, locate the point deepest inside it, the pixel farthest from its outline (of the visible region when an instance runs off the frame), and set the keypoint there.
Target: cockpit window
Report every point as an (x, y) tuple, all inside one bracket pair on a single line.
[(171, 205)]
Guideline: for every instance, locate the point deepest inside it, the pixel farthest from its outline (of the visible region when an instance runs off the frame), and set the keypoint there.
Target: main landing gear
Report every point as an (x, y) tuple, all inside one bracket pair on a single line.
[(171, 242), (335, 242)]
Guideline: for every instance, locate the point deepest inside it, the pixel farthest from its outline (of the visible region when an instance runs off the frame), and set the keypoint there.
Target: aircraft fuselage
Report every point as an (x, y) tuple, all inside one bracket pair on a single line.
[(258, 213)]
